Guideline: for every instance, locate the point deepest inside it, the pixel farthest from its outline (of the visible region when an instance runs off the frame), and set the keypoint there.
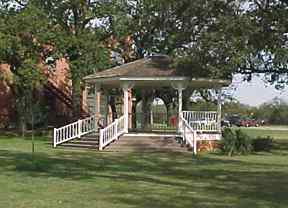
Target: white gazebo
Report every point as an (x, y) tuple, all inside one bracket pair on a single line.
[(150, 73)]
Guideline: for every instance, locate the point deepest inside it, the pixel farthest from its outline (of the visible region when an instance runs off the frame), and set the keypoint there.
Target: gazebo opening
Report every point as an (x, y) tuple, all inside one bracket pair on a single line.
[(158, 117)]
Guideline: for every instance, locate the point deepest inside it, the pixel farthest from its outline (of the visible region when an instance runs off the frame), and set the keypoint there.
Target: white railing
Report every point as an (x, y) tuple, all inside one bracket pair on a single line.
[(112, 132), (188, 134), (203, 120), (74, 130)]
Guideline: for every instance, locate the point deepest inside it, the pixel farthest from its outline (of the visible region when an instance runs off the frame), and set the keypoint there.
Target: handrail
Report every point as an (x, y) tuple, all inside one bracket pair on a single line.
[(203, 120), (112, 132), (187, 132), (74, 130)]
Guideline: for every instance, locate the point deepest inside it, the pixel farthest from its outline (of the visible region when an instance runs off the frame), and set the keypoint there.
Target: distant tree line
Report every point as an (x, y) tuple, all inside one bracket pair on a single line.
[(274, 112)]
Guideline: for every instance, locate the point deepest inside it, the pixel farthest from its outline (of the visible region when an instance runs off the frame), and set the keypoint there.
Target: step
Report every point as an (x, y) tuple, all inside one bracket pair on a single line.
[(85, 142), (145, 148), (75, 145), (130, 144)]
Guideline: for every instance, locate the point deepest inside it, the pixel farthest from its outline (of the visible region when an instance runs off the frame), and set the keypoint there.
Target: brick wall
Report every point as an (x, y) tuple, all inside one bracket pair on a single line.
[(6, 97)]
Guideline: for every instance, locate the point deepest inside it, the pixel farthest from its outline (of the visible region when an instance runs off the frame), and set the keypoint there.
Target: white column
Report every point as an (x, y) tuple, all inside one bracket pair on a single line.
[(126, 109), (180, 98), (126, 86), (219, 108), (179, 86), (96, 105)]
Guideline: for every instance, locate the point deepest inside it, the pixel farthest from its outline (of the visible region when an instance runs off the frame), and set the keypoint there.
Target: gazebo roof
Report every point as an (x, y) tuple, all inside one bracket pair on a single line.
[(146, 67), (153, 71)]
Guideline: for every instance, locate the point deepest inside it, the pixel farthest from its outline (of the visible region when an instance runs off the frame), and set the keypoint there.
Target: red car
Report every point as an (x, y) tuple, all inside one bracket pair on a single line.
[(248, 122)]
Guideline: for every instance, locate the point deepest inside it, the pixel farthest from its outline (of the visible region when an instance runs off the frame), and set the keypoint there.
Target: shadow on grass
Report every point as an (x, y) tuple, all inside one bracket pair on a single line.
[(280, 147), (212, 178)]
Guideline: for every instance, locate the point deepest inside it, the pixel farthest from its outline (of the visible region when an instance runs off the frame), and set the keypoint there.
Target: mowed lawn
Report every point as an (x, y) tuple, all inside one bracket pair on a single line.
[(62, 178)]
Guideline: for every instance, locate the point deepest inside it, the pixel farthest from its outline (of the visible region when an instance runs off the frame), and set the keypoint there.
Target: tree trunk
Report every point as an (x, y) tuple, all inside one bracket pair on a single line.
[(113, 107), (134, 116), (186, 99), (147, 98)]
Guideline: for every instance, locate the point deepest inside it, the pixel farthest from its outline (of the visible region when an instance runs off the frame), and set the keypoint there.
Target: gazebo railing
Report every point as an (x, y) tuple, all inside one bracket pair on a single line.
[(188, 134), (112, 132), (74, 130), (203, 120)]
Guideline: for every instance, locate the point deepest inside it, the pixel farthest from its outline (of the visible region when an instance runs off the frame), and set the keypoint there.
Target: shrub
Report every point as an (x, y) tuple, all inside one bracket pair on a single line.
[(262, 144), (235, 142)]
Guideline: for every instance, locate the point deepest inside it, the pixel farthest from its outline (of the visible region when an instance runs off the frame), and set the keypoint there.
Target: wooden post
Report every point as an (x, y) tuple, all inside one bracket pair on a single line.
[(180, 99), (116, 128), (219, 109), (101, 139), (195, 143), (55, 138), (97, 103), (179, 86), (126, 86), (79, 128), (126, 109)]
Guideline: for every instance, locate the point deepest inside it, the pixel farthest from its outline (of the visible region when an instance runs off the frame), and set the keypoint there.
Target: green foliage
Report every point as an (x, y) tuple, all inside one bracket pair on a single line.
[(274, 112), (23, 31), (262, 144), (216, 38), (235, 142), (79, 36)]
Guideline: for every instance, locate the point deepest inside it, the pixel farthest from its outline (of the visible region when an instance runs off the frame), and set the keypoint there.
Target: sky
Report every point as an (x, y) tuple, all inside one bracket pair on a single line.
[(256, 92)]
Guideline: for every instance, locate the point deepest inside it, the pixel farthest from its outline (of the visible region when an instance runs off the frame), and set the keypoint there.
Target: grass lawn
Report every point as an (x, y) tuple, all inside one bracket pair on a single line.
[(78, 179), (279, 133)]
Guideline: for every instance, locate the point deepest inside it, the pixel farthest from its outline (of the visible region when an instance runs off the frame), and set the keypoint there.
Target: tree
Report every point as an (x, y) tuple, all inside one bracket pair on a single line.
[(21, 45), (80, 28), (216, 38)]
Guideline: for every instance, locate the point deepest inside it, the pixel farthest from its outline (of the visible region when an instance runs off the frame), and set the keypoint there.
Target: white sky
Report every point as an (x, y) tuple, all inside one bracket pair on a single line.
[(257, 92)]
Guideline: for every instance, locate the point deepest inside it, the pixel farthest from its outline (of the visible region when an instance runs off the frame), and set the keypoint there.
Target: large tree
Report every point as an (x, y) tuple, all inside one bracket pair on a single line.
[(22, 38), (216, 38), (81, 28)]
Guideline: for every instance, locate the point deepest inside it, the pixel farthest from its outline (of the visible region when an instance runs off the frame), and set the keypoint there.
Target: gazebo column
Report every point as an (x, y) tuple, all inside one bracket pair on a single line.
[(105, 107), (97, 94), (126, 87), (219, 108), (180, 104), (179, 86)]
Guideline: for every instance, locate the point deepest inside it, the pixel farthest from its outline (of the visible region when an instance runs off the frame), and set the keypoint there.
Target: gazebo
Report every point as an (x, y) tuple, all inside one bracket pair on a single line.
[(150, 73)]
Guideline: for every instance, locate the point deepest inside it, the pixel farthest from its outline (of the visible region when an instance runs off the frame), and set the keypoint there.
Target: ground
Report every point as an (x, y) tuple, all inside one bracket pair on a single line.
[(72, 178)]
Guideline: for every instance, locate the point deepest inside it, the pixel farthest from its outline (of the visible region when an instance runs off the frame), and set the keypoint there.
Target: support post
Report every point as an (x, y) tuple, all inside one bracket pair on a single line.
[(219, 109), (55, 138), (116, 128), (96, 105), (126, 86), (195, 143), (101, 136), (180, 99), (126, 109), (179, 86), (79, 128)]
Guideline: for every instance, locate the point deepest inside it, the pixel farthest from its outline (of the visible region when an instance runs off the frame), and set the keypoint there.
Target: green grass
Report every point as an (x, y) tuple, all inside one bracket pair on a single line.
[(279, 133), (78, 179)]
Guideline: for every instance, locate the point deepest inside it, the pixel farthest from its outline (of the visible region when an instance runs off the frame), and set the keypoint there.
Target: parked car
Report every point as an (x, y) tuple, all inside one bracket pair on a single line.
[(234, 119), (225, 123), (248, 122)]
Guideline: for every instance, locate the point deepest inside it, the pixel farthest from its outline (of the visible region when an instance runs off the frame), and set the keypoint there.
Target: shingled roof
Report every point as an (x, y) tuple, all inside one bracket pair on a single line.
[(154, 66), (150, 72)]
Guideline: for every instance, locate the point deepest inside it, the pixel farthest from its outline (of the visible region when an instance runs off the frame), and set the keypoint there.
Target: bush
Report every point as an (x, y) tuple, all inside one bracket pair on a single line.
[(235, 142), (262, 144)]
